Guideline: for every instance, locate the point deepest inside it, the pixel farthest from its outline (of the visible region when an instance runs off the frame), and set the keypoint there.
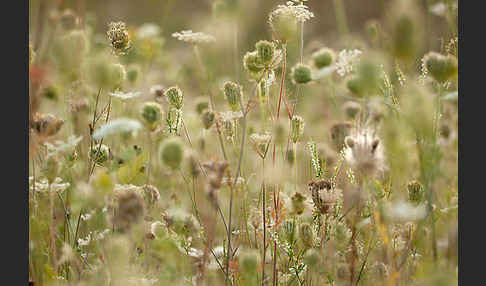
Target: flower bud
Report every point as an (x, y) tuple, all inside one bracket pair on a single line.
[(265, 51), (323, 58), (175, 97), (301, 74), (297, 128), (232, 93), (171, 153)]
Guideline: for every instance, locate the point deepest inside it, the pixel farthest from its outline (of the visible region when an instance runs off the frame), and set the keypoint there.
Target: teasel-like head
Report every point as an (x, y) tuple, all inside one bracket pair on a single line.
[(440, 67), (265, 51), (364, 152), (323, 195), (233, 93)]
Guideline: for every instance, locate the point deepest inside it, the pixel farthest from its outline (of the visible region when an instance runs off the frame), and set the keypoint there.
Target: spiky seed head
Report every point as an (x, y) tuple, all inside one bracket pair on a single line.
[(323, 196), (351, 109), (253, 64), (232, 93), (323, 58), (119, 38), (175, 97), (265, 51), (440, 67), (68, 20), (151, 112), (207, 118), (297, 128), (99, 153), (306, 235), (298, 204), (415, 191), (172, 152), (301, 74)]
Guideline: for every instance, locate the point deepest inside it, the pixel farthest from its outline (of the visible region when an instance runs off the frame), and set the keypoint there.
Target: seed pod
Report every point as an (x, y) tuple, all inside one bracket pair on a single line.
[(171, 153), (301, 74), (323, 58), (297, 128), (175, 97), (232, 93), (265, 51)]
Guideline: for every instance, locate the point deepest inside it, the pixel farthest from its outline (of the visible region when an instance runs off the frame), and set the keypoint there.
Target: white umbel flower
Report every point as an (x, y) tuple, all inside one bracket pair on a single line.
[(193, 37), (300, 12), (346, 61)]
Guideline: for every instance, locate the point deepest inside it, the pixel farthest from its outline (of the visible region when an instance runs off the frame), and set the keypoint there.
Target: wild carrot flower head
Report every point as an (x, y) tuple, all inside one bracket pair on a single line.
[(119, 38), (346, 61), (260, 143), (175, 97), (193, 37), (151, 112), (232, 93)]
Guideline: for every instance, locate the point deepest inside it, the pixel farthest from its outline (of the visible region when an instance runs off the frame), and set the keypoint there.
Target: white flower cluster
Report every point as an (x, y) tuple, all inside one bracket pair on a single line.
[(260, 138), (347, 60), (61, 147), (125, 95), (300, 12), (119, 125), (43, 185), (193, 37), (92, 236), (230, 115)]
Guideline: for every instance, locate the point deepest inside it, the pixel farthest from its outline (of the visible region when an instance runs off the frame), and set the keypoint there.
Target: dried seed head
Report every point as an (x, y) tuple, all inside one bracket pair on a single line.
[(192, 163), (207, 118), (265, 51), (151, 113), (151, 193), (323, 58), (215, 173), (323, 196), (119, 38), (232, 93), (175, 97), (130, 209), (440, 67), (298, 203), (255, 217), (339, 131), (306, 234), (415, 191), (297, 128), (46, 124), (260, 143), (172, 152), (157, 90), (301, 74)]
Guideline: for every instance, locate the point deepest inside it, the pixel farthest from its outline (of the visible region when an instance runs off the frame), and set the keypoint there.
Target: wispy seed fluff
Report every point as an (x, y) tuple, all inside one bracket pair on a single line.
[(364, 152), (193, 37)]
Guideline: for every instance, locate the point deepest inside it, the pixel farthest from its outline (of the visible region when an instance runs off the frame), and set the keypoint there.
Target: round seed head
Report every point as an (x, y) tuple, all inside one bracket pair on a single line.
[(323, 58), (151, 112), (232, 93), (171, 153), (265, 51), (175, 97), (301, 74), (119, 38), (297, 128)]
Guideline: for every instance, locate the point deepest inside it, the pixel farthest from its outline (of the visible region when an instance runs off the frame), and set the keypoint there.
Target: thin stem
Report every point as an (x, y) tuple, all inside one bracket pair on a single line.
[(264, 226)]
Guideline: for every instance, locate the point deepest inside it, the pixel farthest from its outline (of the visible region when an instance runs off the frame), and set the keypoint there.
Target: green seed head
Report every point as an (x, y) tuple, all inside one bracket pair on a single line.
[(441, 67), (297, 127), (312, 257), (265, 51), (356, 86), (118, 74), (298, 205), (301, 74), (172, 152), (175, 97), (99, 153), (252, 62), (415, 191), (151, 112), (207, 118), (306, 235), (289, 230), (232, 93), (201, 105), (323, 58)]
